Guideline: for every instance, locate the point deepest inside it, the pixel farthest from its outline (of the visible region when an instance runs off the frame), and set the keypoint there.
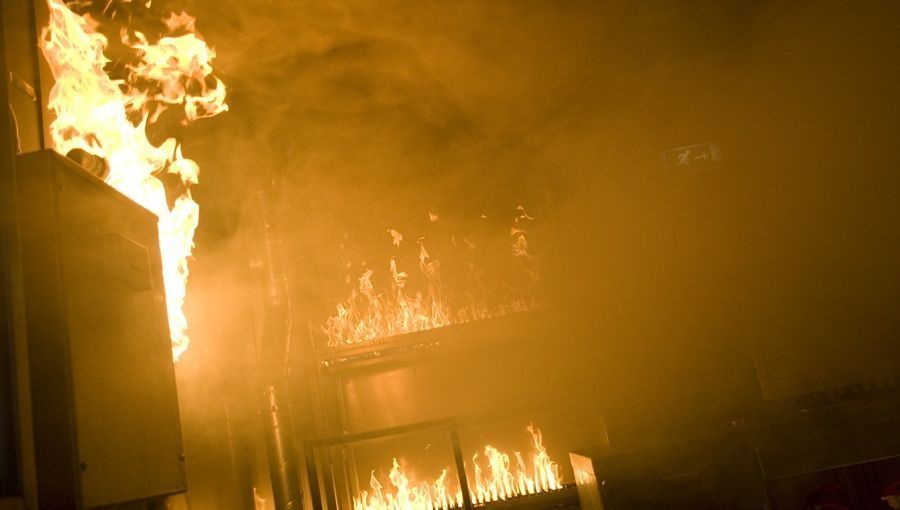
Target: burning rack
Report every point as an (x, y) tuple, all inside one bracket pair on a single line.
[(384, 349), (330, 369), (412, 371), (324, 478), (566, 496)]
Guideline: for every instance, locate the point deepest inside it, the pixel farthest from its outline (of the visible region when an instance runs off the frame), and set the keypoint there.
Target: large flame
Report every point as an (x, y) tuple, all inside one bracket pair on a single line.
[(499, 481), (424, 496), (370, 313), (109, 117)]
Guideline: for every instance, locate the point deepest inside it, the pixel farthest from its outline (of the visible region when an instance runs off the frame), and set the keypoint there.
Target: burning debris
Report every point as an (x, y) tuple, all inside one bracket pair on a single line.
[(372, 312), (108, 117), (498, 481)]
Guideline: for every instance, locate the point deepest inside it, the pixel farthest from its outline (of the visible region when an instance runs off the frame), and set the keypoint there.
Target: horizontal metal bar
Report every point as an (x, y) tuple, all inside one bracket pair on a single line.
[(348, 357), (371, 435)]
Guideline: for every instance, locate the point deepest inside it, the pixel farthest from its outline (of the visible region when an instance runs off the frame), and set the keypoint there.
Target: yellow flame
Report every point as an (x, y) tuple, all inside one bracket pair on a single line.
[(499, 481), (368, 313), (406, 496), (94, 112)]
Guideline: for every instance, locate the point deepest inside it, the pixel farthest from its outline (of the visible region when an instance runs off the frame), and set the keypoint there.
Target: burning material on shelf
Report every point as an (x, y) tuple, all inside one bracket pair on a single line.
[(430, 496), (108, 117), (495, 479), (498, 482), (371, 312)]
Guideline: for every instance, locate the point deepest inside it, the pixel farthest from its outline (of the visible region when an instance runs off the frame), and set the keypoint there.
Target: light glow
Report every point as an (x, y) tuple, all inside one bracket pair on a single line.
[(495, 479), (370, 313), (109, 118)]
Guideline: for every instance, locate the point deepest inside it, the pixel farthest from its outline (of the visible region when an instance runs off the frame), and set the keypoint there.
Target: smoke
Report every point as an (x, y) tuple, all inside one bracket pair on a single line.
[(370, 118), (372, 114), (369, 115)]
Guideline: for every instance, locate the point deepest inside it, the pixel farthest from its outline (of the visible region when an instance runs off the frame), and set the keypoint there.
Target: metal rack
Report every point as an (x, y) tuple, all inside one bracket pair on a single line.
[(348, 413), (319, 478), (322, 477), (384, 349)]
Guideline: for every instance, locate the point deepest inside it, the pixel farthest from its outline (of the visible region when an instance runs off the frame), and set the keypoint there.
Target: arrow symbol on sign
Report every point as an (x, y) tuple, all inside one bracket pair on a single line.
[(703, 156)]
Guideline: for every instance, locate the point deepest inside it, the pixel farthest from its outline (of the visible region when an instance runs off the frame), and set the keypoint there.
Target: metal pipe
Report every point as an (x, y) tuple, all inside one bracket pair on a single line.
[(283, 466), (277, 320)]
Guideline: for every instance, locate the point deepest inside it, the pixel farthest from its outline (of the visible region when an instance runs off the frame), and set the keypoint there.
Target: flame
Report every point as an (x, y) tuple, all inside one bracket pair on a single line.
[(109, 118), (497, 482), (405, 496), (370, 313), (396, 236)]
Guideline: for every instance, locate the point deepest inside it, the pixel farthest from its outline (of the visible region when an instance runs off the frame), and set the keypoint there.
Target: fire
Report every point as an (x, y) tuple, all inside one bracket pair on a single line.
[(428, 496), (109, 118), (499, 481), (370, 313)]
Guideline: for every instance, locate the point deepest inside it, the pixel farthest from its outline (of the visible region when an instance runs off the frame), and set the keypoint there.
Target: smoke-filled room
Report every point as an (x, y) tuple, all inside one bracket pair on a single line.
[(449, 255)]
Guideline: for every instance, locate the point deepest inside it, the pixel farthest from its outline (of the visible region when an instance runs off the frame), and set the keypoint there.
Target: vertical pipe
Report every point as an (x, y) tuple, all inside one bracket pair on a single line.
[(240, 478), (283, 466)]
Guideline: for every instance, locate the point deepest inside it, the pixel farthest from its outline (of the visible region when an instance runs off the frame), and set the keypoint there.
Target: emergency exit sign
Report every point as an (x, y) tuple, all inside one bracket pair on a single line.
[(693, 158)]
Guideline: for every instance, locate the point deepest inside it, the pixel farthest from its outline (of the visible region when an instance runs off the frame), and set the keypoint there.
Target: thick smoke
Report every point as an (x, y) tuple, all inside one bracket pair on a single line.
[(371, 114)]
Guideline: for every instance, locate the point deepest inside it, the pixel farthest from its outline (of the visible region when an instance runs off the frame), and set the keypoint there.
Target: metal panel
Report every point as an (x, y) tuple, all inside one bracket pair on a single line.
[(22, 129), (586, 482), (103, 385), (445, 372), (10, 483), (26, 97), (717, 471), (831, 437), (817, 339)]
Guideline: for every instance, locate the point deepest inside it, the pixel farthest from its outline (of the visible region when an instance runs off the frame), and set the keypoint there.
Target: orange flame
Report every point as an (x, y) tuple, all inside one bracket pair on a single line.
[(424, 496), (500, 483), (94, 112), (494, 484), (368, 313)]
